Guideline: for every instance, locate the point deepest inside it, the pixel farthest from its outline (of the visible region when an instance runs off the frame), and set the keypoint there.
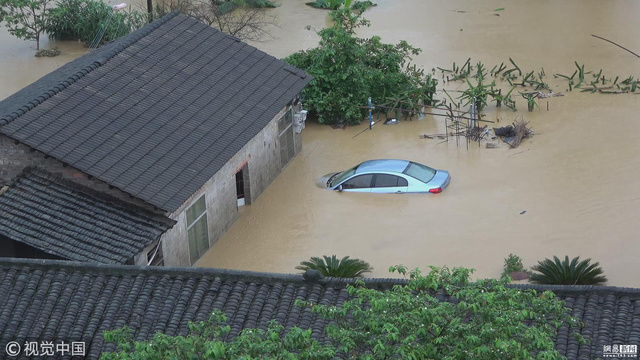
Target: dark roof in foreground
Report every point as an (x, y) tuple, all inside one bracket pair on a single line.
[(62, 218), (156, 113), (45, 299)]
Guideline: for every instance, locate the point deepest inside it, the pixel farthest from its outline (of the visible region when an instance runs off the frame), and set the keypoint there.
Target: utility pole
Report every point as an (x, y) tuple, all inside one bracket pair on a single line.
[(150, 10), (370, 108)]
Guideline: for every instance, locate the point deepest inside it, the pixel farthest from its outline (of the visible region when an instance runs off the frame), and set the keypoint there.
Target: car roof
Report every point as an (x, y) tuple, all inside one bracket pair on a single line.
[(382, 165)]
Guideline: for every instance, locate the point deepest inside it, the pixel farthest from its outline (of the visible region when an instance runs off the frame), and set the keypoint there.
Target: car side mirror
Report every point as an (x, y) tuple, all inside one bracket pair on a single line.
[(340, 187)]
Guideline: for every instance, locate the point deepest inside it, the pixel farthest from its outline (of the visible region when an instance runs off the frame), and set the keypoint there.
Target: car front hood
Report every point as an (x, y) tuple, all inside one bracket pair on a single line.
[(322, 182)]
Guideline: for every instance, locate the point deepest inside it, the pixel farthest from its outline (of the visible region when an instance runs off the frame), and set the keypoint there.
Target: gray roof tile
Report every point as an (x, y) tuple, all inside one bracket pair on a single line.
[(44, 300), (73, 222), (151, 104)]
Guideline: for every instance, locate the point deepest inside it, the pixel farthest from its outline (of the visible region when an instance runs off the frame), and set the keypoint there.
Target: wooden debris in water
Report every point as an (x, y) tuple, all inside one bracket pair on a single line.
[(522, 132), (432, 136), (544, 95), (492, 146)]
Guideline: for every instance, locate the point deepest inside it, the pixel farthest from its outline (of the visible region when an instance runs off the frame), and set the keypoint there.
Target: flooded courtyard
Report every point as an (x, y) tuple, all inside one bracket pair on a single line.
[(570, 190)]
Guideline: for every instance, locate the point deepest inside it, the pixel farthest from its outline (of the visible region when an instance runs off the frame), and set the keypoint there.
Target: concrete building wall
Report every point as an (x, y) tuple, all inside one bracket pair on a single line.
[(261, 155), (14, 157)]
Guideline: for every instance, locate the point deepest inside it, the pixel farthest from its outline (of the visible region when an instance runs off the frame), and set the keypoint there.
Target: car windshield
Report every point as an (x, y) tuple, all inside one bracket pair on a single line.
[(420, 172), (342, 176)]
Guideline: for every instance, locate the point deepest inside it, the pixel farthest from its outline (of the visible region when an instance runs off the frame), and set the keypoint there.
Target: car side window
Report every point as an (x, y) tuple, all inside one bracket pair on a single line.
[(358, 182), (386, 180)]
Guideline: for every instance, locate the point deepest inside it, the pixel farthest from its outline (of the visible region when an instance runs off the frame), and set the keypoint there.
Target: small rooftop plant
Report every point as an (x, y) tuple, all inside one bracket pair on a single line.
[(513, 264), (332, 266), (565, 272)]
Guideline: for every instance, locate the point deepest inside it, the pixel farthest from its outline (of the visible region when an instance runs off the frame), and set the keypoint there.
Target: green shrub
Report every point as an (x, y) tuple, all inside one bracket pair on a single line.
[(513, 263), (347, 70), (331, 266), (336, 4), (227, 6), (84, 19), (565, 272)]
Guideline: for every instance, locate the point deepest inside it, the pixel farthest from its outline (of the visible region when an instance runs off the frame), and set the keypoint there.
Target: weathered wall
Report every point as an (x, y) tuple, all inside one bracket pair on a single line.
[(262, 156), (15, 157)]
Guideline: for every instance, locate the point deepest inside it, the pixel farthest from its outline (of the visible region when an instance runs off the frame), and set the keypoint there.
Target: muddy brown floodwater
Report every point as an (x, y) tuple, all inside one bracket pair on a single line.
[(577, 179)]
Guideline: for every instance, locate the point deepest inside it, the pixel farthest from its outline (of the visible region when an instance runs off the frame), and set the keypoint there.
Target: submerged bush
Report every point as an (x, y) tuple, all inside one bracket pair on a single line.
[(85, 19), (347, 70), (336, 4), (226, 6), (565, 272)]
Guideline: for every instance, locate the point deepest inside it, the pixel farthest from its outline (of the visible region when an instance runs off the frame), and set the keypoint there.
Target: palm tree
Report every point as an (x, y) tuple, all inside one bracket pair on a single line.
[(331, 266), (565, 272)]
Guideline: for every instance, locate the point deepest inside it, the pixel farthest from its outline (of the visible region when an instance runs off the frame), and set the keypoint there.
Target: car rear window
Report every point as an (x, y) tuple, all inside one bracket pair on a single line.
[(420, 172)]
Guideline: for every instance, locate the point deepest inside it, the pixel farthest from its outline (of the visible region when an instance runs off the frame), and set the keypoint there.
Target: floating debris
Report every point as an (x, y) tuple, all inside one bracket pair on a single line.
[(48, 53), (492, 146), (391, 121), (513, 134), (522, 131), (434, 136)]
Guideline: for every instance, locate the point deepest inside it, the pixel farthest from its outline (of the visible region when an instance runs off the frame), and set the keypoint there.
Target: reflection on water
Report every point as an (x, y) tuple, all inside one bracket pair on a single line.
[(576, 178)]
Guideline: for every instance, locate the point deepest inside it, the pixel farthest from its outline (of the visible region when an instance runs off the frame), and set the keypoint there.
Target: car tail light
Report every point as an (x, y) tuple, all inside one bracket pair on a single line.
[(436, 190)]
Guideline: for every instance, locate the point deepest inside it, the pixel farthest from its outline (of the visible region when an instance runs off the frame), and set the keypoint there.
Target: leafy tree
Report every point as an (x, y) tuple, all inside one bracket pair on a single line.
[(332, 266), (565, 272), (25, 19), (347, 70), (488, 320)]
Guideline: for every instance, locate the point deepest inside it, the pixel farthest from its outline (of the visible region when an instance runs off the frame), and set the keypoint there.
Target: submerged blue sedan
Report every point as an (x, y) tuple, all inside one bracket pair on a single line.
[(388, 176)]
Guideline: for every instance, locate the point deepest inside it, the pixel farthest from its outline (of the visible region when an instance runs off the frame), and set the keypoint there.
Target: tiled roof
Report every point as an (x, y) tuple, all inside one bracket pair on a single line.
[(44, 300), (156, 113), (74, 222)]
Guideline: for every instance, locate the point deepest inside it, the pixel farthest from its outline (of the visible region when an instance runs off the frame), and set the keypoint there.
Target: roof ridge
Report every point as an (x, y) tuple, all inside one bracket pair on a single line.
[(125, 206), (121, 44), (270, 278)]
